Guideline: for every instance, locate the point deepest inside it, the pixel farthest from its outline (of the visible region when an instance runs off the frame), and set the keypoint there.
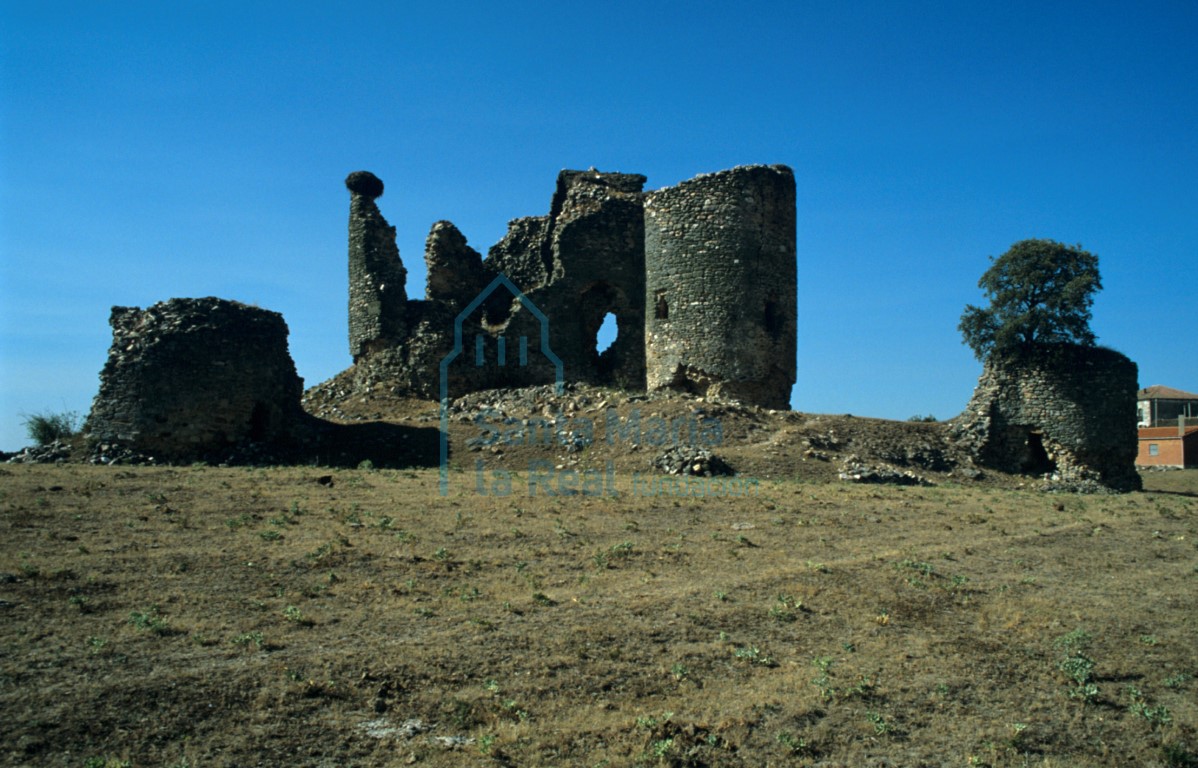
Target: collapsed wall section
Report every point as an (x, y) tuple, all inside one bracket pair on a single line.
[(577, 265), (720, 287), (596, 264), (1064, 411), (189, 376)]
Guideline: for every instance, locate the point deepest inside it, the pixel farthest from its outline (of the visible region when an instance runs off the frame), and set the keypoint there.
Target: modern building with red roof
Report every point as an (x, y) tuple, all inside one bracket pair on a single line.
[(1168, 447), (1160, 406)]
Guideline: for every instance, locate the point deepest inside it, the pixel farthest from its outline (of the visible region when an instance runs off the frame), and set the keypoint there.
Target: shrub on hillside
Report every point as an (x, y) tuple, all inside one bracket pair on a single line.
[(45, 428)]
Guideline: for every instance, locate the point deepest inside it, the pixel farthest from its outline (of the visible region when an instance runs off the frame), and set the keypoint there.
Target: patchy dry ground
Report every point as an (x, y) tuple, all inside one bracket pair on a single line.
[(207, 616)]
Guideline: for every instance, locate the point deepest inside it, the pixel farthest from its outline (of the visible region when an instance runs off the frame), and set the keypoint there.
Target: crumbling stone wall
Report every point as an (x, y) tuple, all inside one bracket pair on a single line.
[(1065, 411), (721, 287), (595, 255), (583, 260), (732, 266), (189, 376), (377, 278)]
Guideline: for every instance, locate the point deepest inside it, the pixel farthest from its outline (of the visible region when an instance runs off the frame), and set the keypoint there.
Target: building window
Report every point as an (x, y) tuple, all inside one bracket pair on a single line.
[(1154, 449)]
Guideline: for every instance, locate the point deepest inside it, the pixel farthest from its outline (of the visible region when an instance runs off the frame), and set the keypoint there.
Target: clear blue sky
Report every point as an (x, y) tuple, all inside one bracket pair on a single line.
[(155, 150)]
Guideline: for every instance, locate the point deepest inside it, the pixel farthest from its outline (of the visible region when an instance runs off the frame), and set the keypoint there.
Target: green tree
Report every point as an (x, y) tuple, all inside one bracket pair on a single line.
[(1040, 292)]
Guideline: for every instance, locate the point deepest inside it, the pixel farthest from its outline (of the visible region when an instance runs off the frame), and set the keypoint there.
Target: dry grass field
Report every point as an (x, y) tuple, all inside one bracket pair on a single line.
[(206, 616)]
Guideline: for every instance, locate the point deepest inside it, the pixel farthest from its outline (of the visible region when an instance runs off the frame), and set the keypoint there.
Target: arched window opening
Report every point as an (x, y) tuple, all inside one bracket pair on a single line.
[(607, 334), (661, 309)]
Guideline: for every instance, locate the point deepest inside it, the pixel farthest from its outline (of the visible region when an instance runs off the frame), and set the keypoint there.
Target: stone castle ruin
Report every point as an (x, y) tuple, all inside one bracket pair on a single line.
[(700, 278)]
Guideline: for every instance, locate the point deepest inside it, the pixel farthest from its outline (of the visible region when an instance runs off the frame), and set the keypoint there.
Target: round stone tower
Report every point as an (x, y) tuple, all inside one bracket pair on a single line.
[(1060, 410), (720, 288), (186, 378)]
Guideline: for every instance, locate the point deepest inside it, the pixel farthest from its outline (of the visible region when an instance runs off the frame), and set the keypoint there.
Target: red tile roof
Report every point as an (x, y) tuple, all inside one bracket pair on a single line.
[(1158, 392)]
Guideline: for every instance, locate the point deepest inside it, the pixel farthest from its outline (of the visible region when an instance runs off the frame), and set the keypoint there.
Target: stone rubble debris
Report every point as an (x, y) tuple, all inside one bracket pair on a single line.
[(856, 471), (691, 460)]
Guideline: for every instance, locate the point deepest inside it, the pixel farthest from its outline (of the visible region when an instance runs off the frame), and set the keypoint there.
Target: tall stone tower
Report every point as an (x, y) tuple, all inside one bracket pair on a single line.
[(720, 285), (377, 278)]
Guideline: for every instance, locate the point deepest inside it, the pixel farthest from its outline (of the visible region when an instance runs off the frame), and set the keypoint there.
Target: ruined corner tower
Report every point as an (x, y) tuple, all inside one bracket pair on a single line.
[(1060, 410), (721, 290), (191, 378)]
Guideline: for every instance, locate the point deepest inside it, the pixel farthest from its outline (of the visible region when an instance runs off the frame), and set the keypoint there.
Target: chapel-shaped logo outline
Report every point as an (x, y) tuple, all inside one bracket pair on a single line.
[(501, 280)]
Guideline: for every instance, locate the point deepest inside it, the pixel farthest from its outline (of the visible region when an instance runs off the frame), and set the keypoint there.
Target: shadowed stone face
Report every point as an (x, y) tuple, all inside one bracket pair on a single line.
[(188, 376)]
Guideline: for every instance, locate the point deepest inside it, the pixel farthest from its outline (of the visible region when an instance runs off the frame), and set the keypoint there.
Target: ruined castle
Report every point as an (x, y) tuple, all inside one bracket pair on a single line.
[(700, 278)]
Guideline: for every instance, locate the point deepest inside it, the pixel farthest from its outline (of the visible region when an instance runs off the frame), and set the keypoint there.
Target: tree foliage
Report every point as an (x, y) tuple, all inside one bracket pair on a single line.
[(1040, 292)]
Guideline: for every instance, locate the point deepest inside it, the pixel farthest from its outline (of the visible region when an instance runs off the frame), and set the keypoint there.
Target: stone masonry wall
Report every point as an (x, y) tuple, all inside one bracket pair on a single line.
[(721, 290), (377, 278), (596, 251), (583, 260), (189, 376), (1064, 411), (723, 249)]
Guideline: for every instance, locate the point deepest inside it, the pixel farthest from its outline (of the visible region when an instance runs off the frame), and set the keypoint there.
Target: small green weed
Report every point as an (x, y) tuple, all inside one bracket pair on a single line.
[(823, 681), (606, 558), (792, 744), (754, 656), (880, 725), (649, 722), (296, 616), (1177, 681), (246, 639), (1156, 716), (486, 744), (150, 620), (1076, 664), (786, 609), (1176, 755)]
